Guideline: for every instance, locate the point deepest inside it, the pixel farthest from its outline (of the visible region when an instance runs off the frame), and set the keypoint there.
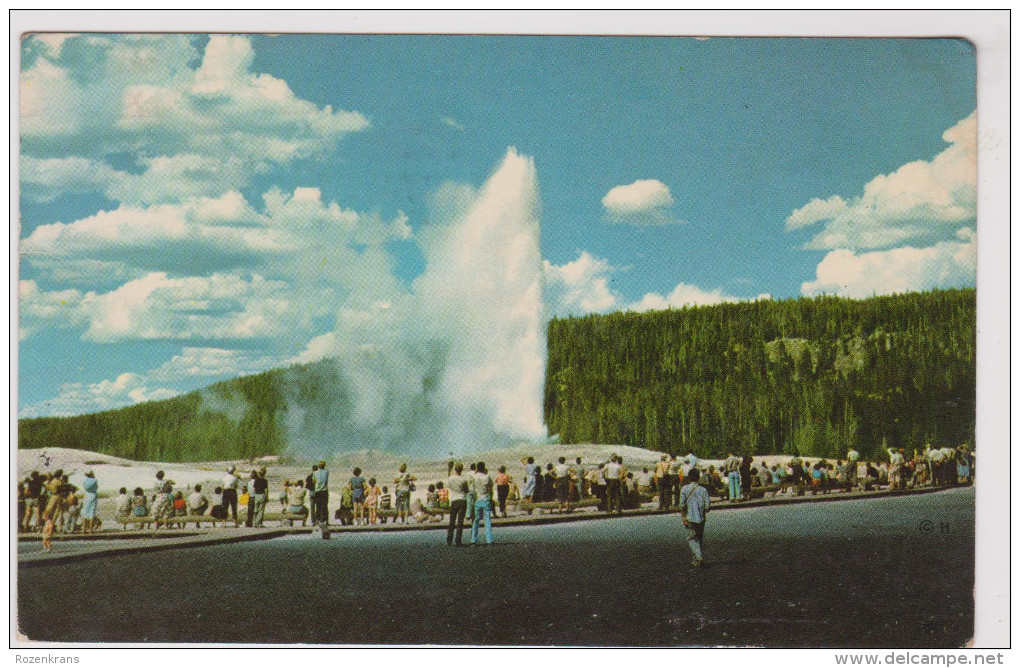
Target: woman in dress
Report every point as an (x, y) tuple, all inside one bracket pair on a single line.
[(162, 507), (88, 506)]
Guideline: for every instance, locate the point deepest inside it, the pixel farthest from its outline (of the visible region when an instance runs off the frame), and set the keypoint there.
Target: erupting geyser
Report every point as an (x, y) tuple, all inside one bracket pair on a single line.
[(456, 363)]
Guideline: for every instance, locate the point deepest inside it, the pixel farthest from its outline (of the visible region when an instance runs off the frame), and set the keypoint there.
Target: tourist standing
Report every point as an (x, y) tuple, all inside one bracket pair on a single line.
[(502, 489), (259, 498), (320, 483), (357, 483), (662, 480), (693, 510), (674, 479), (310, 486), (458, 485), (732, 468), (91, 499), (611, 473), (895, 467), (230, 483), (562, 471), (482, 488), (249, 520), (402, 487), (530, 469)]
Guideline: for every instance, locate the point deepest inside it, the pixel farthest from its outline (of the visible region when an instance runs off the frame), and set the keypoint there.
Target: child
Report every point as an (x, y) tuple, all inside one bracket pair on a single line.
[(385, 502), (47, 532), (444, 496), (372, 501)]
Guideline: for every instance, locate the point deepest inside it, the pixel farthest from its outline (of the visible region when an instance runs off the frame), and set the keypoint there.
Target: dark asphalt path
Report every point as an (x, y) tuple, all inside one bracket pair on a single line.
[(853, 573)]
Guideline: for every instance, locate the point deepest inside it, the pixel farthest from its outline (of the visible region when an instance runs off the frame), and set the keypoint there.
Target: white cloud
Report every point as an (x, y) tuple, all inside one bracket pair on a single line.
[(77, 398), (194, 130), (682, 295), (922, 201), (204, 233), (582, 286), (946, 264), (453, 124), (643, 202), (210, 362), (221, 306), (39, 309), (579, 287)]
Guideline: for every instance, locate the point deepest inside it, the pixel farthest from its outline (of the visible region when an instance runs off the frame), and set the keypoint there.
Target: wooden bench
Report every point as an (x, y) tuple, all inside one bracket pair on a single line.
[(181, 520)]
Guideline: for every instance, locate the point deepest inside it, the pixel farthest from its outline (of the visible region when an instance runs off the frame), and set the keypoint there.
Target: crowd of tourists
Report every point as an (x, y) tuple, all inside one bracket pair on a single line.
[(49, 503)]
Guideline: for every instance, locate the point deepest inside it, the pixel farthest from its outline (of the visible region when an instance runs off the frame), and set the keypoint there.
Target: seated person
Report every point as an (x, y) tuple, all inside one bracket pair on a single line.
[(139, 504), (123, 504), (296, 495), (218, 510), (197, 502)]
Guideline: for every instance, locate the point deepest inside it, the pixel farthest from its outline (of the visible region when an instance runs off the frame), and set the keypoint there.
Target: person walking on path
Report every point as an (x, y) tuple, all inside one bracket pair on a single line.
[(321, 494), (88, 506), (482, 487), (693, 511), (458, 485), (230, 483), (402, 486)]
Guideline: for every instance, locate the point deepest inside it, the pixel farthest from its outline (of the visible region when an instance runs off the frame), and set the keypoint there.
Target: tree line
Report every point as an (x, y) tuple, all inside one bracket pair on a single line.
[(814, 376)]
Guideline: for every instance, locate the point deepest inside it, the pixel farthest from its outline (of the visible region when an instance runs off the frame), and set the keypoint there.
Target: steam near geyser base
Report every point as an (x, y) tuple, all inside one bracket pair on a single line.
[(456, 363)]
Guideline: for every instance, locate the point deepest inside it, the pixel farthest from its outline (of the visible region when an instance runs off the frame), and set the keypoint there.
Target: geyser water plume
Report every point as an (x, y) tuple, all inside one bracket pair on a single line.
[(456, 363)]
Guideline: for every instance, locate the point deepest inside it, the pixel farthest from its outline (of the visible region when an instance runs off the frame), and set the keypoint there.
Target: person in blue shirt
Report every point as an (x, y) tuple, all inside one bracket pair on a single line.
[(321, 494), (693, 511)]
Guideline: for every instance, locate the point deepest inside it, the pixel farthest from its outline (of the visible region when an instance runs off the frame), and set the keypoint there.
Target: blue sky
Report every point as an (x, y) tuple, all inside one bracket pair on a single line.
[(195, 208)]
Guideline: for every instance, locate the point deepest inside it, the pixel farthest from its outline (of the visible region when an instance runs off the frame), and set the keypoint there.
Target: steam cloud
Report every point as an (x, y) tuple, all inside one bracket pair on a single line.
[(454, 364)]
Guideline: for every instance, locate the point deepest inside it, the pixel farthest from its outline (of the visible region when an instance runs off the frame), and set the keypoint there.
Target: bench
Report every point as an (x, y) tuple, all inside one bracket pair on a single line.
[(181, 520)]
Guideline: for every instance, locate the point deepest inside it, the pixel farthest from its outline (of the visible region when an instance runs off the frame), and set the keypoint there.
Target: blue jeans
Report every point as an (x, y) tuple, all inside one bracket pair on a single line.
[(483, 507), (734, 485)]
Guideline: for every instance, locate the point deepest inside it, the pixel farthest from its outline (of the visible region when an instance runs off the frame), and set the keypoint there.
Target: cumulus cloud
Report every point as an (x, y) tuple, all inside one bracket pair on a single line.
[(921, 202), (580, 286), (76, 398), (944, 265), (682, 295), (38, 308), (644, 202), (196, 120)]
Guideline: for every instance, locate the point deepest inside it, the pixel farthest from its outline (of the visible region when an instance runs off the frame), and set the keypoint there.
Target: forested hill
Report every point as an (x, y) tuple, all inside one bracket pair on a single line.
[(818, 375), (814, 375)]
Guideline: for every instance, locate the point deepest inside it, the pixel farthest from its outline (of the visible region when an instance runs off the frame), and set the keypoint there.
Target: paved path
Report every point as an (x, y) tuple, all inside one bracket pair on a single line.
[(857, 573)]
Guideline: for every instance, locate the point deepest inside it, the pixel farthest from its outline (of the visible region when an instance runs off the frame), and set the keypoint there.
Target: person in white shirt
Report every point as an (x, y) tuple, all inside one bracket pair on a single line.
[(458, 485), (612, 475), (230, 483), (562, 471), (694, 506)]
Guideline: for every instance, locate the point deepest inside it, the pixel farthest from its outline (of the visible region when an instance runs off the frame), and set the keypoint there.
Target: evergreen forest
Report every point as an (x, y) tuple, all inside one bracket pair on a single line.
[(814, 376)]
